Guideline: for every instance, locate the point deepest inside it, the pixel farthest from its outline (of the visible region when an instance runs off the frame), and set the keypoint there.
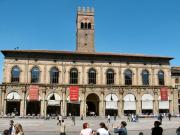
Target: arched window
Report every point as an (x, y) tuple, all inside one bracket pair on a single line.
[(82, 25), (145, 77), (86, 26), (128, 77), (110, 76), (54, 75), (15, 74), (92, 76), (161, 77), (35, 72), (89, 25), (74, 76)]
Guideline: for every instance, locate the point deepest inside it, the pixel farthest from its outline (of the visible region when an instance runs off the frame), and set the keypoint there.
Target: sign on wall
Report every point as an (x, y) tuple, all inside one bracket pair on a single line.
[(33, 93), (74, 93), (164, 94)]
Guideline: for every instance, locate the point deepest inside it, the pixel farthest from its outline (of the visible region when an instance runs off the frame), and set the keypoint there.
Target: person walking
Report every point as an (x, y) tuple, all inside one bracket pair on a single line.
[(73, 119), (178, 131), (108, 119), (11, 129), (157, 130), (169, 116), (62, 128), (122, 129), (86, 130), (18, 129), (103, 130), (59, 120)]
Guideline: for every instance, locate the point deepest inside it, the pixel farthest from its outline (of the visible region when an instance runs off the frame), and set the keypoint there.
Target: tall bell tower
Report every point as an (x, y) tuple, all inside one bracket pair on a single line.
[(85, 30)]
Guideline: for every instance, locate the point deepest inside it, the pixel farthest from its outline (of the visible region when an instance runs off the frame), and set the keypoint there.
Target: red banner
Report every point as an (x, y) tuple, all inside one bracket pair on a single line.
[(164, 94), (74, 93), (33, 93)]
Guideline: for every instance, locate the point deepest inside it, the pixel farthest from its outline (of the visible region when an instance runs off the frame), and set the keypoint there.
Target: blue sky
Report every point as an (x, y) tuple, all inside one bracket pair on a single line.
[(149, 27)]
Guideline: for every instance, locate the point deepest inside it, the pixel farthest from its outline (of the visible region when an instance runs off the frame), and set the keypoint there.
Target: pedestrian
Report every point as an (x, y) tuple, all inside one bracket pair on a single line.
[(62, 128), (108, 119), (114, 116), (140, 133), (11, 128), (81, 117), (86, 130), (122, 129), (178, 131), (18, 129), (59, 119), (157, 130), (6, 132), (73, 119), (103, 130), (169, 116)]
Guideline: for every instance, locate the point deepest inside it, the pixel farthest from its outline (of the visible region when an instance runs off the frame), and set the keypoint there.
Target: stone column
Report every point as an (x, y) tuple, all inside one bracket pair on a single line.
[(3, 100), (153, 77), (101, 104), (120, 77), (120, 103), (171, 106), (156, 103), (175, 101), (138, 102), (83, 103), (101, 75), (43, 102), (64, 102)]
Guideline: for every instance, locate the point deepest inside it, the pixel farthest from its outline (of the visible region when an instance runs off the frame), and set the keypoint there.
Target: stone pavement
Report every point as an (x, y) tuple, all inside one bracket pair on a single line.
[(49, 127)]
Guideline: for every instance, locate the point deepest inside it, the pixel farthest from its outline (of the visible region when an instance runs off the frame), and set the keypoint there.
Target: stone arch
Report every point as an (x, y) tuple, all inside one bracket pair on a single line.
[(92, 102), (147, 104), (111, 107), (13, 99), (129, 104)]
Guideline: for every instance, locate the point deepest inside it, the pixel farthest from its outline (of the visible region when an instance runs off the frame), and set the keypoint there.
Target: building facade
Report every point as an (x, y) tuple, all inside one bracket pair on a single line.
[(107, 83)]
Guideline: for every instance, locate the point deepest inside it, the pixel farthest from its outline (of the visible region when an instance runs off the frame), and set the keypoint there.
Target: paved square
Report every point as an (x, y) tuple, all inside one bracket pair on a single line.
[(49, 127)]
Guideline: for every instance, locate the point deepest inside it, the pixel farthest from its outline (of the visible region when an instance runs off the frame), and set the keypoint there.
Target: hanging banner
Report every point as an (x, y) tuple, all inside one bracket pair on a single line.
[(74, 93), (164, 94), (33, 93)]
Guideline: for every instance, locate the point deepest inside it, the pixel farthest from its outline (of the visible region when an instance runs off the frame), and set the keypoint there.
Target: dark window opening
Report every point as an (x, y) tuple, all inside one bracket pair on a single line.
[(89, 25), (74, 76), (110, 76), (15, 74), (54, 76), (161, 77), (35, 75), (92, 76), (145, 77), (128, 77), (82, 25)]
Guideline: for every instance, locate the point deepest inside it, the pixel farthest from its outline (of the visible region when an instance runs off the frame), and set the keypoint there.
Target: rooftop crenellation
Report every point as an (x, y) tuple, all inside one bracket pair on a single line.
[(85, 10)]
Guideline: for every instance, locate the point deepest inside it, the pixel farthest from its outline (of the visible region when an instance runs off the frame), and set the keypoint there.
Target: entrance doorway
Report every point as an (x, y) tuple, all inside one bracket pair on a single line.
[(53, 110), (73, 109), (92, 102), (33, 107), (13, 106)]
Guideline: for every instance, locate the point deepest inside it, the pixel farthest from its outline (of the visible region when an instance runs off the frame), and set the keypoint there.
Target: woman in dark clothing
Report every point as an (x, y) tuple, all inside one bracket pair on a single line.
[(121, 130), (157, 130)]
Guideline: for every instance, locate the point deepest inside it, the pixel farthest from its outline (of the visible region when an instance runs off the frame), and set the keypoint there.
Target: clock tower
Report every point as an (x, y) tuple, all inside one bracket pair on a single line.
[(85, 30)]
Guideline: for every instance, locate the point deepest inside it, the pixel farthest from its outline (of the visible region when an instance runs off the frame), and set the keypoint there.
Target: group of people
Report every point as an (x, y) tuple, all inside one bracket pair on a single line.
[(14, 129), (132, 118), (103, 130)]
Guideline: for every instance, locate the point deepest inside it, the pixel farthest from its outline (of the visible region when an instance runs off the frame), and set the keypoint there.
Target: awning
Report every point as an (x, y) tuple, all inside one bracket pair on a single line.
[(13, 96), (147, 102), (129, 102), (163, 104), (111, 101)]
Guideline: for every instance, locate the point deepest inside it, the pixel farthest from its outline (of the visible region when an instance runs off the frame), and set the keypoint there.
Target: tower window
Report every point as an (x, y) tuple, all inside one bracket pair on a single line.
[(82, 25), (86, 25), (89, 25)]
